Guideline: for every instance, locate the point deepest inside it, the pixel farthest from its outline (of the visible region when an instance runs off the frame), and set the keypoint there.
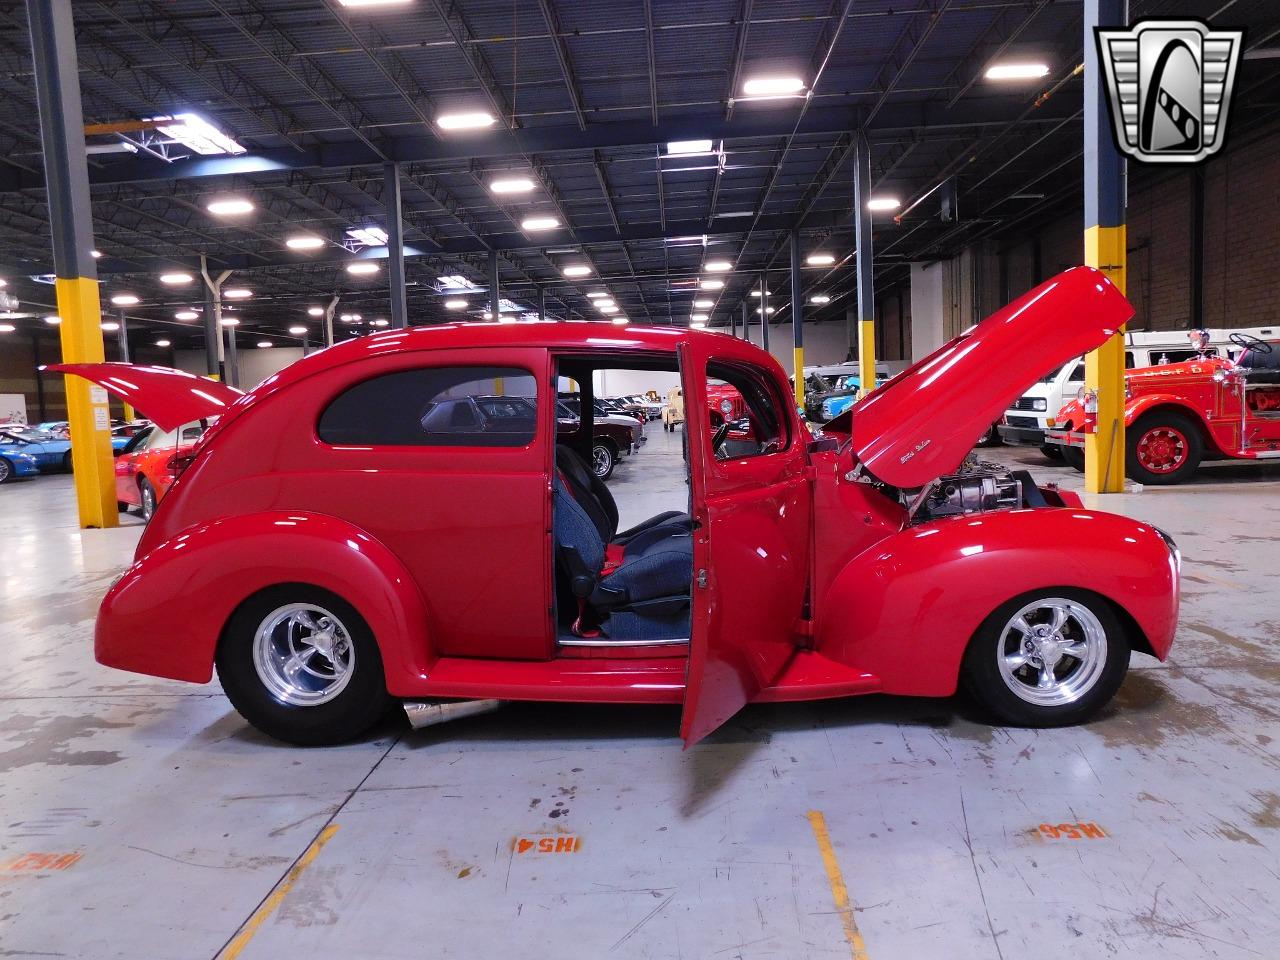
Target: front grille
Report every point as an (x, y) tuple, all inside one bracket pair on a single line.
[(1024, 403), (1029, 422)]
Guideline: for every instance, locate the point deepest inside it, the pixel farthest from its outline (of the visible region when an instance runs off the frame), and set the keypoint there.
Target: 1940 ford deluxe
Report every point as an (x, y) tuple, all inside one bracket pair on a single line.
[(341, 539)]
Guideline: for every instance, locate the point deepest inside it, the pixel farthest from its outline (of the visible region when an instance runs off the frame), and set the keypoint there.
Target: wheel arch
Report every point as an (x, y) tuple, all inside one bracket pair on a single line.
[(1156, 405)]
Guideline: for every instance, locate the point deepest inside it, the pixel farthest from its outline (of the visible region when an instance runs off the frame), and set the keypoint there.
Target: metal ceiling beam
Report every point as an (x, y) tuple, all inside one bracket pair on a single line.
[(566, 68), (652, 60)]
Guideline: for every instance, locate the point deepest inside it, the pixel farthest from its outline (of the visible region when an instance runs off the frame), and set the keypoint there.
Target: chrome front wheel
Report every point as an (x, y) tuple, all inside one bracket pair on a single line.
[(1052, 651), (303, 654)]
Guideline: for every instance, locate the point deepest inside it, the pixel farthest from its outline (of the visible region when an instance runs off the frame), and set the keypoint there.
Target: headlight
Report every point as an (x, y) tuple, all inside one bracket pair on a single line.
[(1040, 405), (726, 407)]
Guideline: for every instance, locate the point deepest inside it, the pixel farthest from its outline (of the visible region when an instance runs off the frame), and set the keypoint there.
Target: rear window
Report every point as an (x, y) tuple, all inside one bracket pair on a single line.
[(436, 407)]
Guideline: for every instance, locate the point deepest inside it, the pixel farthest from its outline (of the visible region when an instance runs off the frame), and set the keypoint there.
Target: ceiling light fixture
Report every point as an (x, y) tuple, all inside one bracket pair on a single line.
[(124, 299), (704, 304), (110, 326), (304, 242), (884, 203), (597, 295), (96, 254), (362, 268), (772, 86), (175, 279), (539, 223), (697, 326), (229, 207), (237, 293), (820, 298), (712, 284), (230, 321), (186, 315), (455, 304), (473, 120), (511, 185), (577, 270), (1017, 71), (53, 320), (264, 344), (315, 311), (609, 308), (381, 323), (298, 331), (717, 266), (621, 321), (698, 318), (7, 328), (820, 259), (680, 148), (756, 293), (196, 133), (162, 343)]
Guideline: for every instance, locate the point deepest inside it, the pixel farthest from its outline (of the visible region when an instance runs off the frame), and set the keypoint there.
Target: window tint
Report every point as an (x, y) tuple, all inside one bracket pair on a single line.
[(436, 407)]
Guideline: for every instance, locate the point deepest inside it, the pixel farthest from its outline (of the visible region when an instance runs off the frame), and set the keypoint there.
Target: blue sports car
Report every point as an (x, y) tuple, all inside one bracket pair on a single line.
[(14, 463), (48, 451)]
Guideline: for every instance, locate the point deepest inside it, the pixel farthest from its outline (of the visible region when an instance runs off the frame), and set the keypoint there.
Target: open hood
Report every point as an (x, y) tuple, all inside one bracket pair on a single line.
[(163, 395), (921, 424)]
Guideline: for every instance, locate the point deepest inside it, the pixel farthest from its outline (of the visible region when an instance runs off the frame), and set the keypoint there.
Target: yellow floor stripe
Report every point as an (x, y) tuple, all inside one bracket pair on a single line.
[(270, 905), (839, 892)]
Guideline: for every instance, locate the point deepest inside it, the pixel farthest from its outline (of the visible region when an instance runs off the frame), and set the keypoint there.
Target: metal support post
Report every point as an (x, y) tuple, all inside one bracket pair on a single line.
[(864, 267), (395, 246)]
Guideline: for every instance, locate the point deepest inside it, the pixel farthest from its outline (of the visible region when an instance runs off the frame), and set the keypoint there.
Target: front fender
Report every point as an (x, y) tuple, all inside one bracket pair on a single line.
[(164, 617), (1136, 407), (906, 608)]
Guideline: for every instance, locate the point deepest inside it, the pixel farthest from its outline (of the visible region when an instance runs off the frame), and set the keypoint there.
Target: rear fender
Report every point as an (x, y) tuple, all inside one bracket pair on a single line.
[(906, 608), (164, 617)]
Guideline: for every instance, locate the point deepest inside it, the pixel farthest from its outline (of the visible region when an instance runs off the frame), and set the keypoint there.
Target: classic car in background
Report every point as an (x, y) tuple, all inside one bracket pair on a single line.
[(147, 465), (1179, 414), (830, 391), (14, 463), (48, 451), (613, 437), (673, 410), (276, 556)]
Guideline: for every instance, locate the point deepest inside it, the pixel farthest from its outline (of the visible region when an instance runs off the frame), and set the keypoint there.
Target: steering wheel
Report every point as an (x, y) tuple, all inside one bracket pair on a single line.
[(1249, 342)]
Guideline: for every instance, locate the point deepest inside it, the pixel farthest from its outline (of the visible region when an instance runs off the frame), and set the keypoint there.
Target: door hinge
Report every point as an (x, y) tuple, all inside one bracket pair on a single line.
[(702, 579)]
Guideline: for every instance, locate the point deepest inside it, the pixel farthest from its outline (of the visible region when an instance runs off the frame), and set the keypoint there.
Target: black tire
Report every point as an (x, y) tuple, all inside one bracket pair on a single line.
[(1188, 442), (122, 507), (66, 461), (1074, 458), (982, 676), (603, 459), (146, 498), (6, 471), (1052, 452), (990, 438), (353, 711)]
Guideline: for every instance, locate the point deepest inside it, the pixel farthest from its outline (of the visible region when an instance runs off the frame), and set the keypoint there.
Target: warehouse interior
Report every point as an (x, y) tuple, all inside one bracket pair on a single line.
[(231, 188)]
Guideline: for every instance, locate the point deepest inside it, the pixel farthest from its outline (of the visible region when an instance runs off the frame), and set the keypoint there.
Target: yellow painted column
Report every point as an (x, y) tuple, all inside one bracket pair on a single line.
[(1104, 451), (866, 357), (88, 415), (799, 368)]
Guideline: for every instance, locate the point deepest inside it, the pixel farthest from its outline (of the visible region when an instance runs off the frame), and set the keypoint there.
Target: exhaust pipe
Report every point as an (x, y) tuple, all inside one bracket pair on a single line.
[(423, 714)]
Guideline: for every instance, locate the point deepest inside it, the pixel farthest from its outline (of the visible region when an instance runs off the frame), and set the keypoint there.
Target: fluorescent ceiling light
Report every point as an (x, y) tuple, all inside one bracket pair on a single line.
[(315, 311), (229, 207), (820, 298), (230, 321), (369, 236), (539, 223), (756, 292), (609, 308), (362, 268), (237, 293), (381, 323), (264, 344), (455, 304), (475, 120), (1017, 71), (7, 328), (186, 315), (765, 310), (124, 299), (162, 343), (455, 281), (53, 320), (772, 86), (736, 213), (96, 254), (712, 284), (297, 331), (109, 326), (511, 185), (373, 3), (350, 318), (704, 304), (717, 266), (175, 279), (196, 133), (304, 243), (697, 326), (577, 270), (884, 203), (678, 148), (820, 259), (698, 318), (597, 295), (602, 302)]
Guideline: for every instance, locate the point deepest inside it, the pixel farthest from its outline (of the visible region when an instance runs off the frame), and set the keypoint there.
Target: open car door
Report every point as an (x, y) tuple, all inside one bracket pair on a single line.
[(752, 508), (167, 397)]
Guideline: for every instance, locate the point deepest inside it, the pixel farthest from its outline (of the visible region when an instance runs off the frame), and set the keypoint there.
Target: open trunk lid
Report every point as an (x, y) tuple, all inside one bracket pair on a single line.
[(163, 395)]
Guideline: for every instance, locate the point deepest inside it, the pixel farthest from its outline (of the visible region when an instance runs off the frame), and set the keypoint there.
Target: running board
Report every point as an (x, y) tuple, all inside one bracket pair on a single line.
[(422, 714)]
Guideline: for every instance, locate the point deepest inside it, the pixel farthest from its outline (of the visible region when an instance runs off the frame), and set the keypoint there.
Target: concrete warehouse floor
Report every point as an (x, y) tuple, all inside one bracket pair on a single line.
[(144, 819)]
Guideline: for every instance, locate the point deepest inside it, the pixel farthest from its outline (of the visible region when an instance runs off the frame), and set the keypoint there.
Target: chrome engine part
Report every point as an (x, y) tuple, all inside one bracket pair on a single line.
[(977, 488)]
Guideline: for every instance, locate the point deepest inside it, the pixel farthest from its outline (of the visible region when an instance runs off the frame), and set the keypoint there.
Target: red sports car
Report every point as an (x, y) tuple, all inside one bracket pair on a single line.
[(145, 467), (330, 555)]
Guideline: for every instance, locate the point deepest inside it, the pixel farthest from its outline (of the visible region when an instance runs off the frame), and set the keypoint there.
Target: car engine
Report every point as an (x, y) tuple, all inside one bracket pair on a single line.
[(977, 487)]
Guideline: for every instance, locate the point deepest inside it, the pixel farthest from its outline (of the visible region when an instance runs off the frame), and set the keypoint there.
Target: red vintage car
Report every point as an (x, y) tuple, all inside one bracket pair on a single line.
[(330, 557), (1179, 414)]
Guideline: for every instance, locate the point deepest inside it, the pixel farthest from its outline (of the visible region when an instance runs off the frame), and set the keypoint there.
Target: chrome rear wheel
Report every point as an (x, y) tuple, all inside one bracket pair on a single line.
[(303, 654)]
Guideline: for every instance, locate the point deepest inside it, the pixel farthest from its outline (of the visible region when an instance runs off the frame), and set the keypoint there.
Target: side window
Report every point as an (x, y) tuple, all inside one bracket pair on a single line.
[(161, 438), (190, 433), (436, 407), (1128, 360), (1077, 374), (746, 414)]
